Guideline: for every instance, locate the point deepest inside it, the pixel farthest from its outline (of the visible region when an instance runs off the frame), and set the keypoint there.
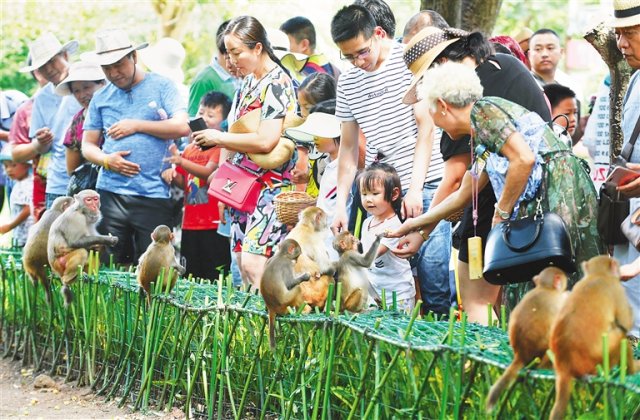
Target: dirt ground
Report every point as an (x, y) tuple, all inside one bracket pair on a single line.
[(20, 399)]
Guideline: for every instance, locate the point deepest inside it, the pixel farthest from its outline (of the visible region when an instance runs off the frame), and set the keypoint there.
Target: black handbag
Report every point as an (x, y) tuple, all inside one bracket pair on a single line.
[(517, 250), (84, 177)]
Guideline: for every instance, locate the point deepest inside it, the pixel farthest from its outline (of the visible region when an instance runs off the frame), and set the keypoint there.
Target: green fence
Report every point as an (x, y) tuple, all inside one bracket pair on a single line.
[(205, 349)]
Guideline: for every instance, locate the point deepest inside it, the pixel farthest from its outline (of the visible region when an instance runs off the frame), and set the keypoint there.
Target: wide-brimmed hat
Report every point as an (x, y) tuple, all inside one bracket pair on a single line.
[(281, 45), (317, 124), (44, 48), (625, 13), (523, 35), (165, 58), (422, 50), (82, 71), (111, 46)]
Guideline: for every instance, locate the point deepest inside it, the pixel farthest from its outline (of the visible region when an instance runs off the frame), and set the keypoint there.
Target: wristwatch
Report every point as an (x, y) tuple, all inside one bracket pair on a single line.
[(504, 215)]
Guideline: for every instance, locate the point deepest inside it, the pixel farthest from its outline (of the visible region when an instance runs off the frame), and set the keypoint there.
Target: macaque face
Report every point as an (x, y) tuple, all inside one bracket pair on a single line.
[(92, 203)]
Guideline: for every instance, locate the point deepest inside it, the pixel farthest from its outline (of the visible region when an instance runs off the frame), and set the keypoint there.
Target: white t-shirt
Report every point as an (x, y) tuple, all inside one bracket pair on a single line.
[(388, 271), (21, 195), (328, 188), (374, 101)]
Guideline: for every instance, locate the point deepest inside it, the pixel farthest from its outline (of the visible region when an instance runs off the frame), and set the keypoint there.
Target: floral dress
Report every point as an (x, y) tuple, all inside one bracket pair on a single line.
[(259, 232), (569, 190)]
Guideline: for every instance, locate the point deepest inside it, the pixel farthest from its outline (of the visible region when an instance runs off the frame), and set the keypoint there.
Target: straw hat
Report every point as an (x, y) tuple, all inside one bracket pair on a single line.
[(625, 13), (165, 58), (422, 50), (111, 46), (317, 124), (280, 154), (80, 72), (523, 35), (44, 48), (281, 45)]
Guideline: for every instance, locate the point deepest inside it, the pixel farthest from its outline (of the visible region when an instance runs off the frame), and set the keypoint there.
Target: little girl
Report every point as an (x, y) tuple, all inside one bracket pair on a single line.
[(380, 191)]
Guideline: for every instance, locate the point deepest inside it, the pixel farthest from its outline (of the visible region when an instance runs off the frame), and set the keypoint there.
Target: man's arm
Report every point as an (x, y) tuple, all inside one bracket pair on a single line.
[(347, 166), (412, 202), (111, 162), (171, 128)]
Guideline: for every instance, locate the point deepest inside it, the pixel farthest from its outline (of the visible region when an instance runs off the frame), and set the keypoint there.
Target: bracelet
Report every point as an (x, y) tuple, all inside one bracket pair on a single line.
[(105, 163), (423, 234)]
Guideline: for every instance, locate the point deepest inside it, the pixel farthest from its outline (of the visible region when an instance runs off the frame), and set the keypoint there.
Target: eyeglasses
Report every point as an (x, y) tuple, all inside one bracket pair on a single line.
[(360, 55)]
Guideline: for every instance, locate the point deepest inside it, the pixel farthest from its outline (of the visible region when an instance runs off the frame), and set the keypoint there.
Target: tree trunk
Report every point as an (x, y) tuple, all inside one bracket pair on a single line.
[(470, 15), (174, 15), (603, 40)]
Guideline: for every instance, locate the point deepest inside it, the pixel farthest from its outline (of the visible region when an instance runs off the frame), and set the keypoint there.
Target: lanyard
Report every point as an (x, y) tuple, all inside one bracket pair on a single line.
[(477, 167)]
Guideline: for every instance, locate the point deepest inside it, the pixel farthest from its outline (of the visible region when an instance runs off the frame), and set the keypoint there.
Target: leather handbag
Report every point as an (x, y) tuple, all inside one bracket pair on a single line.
[(236, 187), (517, 250), (631, 228)]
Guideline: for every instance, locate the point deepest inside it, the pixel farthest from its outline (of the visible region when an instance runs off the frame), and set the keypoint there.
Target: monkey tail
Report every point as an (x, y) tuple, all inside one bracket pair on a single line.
[(564, 383), (272, 330), (507, 378), (67, 294)]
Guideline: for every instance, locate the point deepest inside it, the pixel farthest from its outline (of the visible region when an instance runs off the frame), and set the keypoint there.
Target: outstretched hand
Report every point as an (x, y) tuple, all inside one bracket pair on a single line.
[(409, 245), (408, 226)]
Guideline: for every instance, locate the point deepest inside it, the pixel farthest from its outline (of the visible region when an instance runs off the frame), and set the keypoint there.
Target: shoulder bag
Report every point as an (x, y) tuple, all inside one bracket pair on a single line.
[(236, 187)]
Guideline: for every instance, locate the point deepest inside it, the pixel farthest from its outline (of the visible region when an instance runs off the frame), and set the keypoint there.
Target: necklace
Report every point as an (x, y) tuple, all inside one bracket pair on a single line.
[(380, 222)]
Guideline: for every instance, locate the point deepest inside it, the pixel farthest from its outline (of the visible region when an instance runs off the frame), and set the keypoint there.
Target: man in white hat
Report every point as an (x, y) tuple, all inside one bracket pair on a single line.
[(626, 22), (139, 114), (51, 115)]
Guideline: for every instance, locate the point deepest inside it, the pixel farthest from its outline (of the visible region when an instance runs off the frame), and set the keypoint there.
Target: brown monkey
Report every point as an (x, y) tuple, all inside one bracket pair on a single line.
[(597, 305), (71, 235), (159, 254), (34, 254), (310, 233), (530, 326), (351, 270), (279, 286)]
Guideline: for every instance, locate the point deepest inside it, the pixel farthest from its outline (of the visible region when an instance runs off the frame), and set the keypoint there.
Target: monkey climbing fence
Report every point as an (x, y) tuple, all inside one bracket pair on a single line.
[(204, 348)]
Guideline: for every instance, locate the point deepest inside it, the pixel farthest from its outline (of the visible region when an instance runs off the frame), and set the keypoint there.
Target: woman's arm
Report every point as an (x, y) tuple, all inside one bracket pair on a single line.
[(73, 158), (262, 141)]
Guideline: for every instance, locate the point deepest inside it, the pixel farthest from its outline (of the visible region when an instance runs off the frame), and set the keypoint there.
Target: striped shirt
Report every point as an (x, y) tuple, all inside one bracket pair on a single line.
[(374, 101)]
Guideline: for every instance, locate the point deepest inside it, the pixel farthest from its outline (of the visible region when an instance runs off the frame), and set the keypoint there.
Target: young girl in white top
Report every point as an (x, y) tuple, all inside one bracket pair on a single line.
[(380, 190)]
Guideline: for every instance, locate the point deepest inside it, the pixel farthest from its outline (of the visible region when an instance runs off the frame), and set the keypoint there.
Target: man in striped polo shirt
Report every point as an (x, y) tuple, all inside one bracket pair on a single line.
[(370, 98)]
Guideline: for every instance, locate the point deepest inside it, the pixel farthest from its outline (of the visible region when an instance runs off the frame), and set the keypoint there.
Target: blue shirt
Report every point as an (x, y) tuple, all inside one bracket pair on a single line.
[(55, 112), (155, 98)]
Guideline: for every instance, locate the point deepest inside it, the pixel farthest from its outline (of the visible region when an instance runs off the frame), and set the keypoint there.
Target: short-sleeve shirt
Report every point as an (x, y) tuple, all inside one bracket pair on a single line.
[(388, 271), (512, 81), (374, 101), (21, 195), (154, 98), (213, 78), (200, 209), (54, 111)]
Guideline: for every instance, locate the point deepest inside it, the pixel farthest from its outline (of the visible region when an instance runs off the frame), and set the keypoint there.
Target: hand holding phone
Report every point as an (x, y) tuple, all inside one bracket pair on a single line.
[(198, 124), (621, 175)]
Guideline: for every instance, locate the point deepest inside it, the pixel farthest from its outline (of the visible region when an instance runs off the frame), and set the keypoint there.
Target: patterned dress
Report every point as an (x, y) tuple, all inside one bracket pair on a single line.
[(569, 190), (259, 232)]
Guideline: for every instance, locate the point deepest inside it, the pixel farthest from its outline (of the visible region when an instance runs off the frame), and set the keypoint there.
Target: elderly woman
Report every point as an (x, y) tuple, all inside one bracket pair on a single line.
[(524, 155)]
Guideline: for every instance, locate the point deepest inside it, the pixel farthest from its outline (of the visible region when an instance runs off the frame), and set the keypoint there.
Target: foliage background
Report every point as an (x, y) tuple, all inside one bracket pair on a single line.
[(23, 20)]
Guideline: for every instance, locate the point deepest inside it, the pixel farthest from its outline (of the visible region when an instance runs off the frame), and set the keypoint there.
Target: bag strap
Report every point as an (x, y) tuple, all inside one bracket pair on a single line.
[(628, 148)]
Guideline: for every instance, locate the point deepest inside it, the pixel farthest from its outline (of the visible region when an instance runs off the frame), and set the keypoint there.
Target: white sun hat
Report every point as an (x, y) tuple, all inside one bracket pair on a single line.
[(281, 45), (625, 13), (165, 58), (82, 71), (44, 48), (317, 124), (111, 46)]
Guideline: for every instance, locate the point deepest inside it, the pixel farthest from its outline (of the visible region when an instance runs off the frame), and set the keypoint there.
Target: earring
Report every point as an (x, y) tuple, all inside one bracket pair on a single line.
[(443, 113)]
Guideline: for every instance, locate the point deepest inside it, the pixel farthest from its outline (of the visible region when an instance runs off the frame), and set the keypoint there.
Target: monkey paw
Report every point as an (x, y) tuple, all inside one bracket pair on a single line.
[(113, 240)]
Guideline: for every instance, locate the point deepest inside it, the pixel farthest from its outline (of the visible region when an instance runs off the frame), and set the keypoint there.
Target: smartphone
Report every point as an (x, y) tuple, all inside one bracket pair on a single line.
[(198, 124), (622, 175)]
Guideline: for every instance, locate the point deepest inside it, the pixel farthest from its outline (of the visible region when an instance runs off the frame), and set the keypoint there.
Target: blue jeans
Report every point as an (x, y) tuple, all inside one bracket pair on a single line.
[(432, 263), (50, 198)]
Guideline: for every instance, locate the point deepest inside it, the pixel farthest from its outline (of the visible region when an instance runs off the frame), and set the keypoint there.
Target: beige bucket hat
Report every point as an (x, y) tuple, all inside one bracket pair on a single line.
[(625, 13), (422, 50), (165, 58), (44, 48), (111, 46), (80, 72)]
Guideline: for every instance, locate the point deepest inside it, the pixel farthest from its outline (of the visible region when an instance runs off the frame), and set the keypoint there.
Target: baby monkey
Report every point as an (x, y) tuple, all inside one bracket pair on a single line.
[(351, 270), (159, 254), (279, 286), (530, 327)]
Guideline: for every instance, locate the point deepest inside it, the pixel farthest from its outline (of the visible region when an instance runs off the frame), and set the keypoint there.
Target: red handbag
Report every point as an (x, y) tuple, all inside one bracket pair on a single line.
[(236, 187)]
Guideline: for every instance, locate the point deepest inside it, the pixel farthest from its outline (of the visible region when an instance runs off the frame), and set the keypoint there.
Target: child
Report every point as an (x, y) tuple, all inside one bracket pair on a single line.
[(20, 198), (564, 110), (380, 191), (203, 250)]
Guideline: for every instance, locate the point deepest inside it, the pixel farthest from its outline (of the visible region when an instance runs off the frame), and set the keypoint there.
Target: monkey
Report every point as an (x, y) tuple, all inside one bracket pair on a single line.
[(279, 286), (309, 233), (34, 254), (159, 254), (597, 305), (351, 270), (70, 237), (530, 327)]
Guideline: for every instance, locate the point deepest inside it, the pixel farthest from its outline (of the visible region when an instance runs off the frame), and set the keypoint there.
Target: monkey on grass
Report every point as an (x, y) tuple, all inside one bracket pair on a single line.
[(530, 327), (159, 255), (72, 235), (34, 255), (279, 286), (597, 305)]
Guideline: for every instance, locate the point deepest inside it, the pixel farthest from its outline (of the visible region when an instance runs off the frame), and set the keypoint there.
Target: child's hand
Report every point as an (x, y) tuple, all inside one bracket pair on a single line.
[(175, 157), (4, 229), (168, 175)]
